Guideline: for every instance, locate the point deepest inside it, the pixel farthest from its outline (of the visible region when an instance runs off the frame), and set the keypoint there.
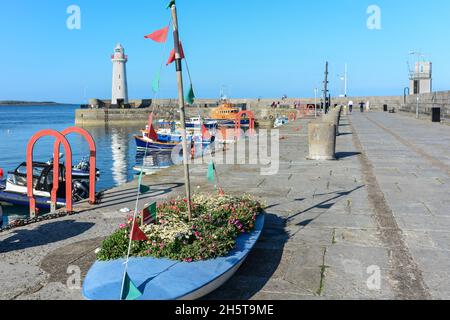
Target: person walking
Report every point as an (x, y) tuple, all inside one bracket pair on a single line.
[(361, 106), (350, 106)]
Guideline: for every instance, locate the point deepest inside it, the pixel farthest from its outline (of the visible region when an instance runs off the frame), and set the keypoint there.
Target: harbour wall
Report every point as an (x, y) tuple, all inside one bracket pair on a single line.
[(96, 114), (427, 102)]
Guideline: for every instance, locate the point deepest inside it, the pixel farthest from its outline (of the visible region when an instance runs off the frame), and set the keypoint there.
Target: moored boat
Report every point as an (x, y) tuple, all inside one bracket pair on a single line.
[(225, 114), (168, 139), (281, 121), (13, 190)]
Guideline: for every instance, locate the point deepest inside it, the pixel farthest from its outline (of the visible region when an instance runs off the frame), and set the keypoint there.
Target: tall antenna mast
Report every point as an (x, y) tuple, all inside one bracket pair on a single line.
[(325, 87), (346, 81), (179, 70)]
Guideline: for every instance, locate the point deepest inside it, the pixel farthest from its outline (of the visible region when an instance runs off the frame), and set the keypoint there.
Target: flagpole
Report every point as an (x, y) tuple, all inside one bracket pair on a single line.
[(176, 39)]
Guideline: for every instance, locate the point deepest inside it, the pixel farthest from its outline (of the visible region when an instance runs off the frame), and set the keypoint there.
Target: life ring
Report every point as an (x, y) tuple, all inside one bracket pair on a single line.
[(271, 117)]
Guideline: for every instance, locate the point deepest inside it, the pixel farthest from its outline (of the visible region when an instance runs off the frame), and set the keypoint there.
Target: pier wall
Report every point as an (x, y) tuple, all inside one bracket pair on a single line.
[(168, 108), (427, 101)]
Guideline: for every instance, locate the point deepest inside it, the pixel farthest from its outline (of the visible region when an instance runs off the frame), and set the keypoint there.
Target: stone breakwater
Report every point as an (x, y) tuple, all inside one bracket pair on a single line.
[(168, 108), (96, 114)]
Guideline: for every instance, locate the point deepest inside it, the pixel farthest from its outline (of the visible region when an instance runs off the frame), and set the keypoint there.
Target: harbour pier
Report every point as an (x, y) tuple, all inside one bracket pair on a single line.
[(366, 226)]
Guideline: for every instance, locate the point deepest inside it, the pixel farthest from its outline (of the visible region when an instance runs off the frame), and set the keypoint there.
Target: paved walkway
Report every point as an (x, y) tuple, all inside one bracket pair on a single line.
[(332, 227), (411, 162)]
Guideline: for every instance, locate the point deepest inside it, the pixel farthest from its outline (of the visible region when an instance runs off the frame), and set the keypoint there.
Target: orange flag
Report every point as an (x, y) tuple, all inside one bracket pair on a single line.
[(172, 55), (159, 36)]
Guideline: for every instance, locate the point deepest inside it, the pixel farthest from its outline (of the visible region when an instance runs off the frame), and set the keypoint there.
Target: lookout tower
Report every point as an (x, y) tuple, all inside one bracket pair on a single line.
[(119, 78), (420, 79)]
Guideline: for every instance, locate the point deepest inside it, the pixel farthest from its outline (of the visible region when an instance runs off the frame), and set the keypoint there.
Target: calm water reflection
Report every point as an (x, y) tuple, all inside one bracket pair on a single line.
[(116, 150)]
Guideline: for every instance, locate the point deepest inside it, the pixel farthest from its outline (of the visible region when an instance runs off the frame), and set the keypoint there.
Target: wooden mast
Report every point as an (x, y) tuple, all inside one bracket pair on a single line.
[(178, 66)]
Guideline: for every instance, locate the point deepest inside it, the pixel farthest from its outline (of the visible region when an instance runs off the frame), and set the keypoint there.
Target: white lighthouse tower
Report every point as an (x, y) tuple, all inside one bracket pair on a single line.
[(119, 79)]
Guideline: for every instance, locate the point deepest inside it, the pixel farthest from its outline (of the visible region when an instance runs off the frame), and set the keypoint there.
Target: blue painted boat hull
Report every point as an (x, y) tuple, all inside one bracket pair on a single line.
[(163, 279), (42, 203), (141, 143)]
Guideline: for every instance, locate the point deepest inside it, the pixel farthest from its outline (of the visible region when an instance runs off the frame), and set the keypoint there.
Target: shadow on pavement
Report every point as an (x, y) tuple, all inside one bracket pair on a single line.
[(260, 265), (343, 155), (44, 234)]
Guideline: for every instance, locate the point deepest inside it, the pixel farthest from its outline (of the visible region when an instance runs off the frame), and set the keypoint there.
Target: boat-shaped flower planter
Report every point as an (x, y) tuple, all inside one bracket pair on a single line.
[(163, 279)]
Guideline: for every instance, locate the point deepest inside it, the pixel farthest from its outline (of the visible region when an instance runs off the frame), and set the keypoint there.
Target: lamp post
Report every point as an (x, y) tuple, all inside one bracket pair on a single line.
[(316, 92), (417, 107), (346, 81)]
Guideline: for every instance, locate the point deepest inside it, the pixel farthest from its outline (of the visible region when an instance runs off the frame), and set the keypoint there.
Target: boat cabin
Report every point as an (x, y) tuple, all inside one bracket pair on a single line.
[(42, 179)]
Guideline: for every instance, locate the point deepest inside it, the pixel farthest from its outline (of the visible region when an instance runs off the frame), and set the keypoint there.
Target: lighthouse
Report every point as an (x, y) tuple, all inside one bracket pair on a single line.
[(119, 79)]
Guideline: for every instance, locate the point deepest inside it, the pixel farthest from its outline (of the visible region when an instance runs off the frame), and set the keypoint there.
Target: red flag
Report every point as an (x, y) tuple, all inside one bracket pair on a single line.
[(205, 133), (172, 55), (151, 131), (137, 234), (159, 36)]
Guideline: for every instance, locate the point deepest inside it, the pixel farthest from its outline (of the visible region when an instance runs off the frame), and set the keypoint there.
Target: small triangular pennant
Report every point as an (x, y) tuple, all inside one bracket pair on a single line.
[(211, 172), (130, 290), (190, 96), (155, 83), (142, 188), (137, 234)]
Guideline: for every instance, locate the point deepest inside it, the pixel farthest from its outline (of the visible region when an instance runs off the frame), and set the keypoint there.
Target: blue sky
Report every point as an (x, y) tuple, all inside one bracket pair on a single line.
[(258, 48)]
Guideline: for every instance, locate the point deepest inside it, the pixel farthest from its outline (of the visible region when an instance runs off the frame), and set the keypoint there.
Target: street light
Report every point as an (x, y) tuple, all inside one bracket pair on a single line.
[(343, 86), (417, 108), (316, 92)]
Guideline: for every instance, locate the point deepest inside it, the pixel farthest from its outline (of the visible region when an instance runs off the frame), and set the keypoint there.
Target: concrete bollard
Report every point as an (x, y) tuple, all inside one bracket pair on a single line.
[(333, 117), (322, 141)]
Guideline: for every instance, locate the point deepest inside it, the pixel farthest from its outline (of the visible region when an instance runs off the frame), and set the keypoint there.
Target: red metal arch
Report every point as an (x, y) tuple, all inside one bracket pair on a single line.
[(30, 148), (92, 158), (237, 121)]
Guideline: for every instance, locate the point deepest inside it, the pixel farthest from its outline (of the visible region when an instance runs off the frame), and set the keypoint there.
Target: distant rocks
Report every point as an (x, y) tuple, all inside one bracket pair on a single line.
[(27, 103)]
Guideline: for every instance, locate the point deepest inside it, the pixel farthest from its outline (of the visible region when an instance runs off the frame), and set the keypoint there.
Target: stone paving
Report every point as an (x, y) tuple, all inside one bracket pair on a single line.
[(332, 227)]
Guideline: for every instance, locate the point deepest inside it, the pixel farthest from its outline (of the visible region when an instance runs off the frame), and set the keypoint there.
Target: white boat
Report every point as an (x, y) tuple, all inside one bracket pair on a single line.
[(281, 121)]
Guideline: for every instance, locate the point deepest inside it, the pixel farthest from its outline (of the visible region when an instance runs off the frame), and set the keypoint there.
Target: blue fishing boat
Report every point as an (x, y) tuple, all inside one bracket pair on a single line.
[(168, 140), (163, 279)]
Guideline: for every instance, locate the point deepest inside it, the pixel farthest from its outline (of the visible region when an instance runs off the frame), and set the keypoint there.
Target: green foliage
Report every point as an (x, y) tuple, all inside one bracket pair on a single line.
[(216, 223)]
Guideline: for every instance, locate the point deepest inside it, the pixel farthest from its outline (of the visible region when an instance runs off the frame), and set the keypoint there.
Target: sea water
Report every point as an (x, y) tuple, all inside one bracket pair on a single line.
[(116, 148)]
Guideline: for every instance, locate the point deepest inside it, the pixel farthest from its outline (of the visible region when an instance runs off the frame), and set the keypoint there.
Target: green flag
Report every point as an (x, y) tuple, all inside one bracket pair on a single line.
[(130, 291), (155, 84), (149, 214), (142, 188), (190, 96), (211, 172), (172, 2)]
